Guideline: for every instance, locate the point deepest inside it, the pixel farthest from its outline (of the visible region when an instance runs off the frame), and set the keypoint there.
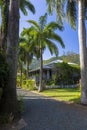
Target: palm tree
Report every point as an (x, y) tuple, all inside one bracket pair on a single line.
[(83, 49), (28, 52), (44, 34), (24, 6), (9, 92), (9, 99), (21, 59), (71, 13), (26, 40)]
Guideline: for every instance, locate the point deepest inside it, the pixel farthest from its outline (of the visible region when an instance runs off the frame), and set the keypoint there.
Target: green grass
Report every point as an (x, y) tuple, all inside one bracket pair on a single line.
[(66, 94)]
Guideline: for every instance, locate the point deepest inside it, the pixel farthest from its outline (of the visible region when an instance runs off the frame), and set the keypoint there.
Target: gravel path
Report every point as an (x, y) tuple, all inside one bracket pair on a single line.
[(42, 113)]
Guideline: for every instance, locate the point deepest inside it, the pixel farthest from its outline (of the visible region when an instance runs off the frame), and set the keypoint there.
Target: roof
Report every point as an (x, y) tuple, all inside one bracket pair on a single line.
[(55, 61), (44, 67), (50, 65)]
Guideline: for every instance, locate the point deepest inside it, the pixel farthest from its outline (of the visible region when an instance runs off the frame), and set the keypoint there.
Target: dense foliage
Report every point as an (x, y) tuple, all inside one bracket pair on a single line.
[(28, 84), (65, 74)]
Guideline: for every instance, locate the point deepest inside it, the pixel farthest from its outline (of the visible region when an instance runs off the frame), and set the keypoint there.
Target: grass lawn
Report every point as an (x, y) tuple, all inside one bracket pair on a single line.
[(64, 94)]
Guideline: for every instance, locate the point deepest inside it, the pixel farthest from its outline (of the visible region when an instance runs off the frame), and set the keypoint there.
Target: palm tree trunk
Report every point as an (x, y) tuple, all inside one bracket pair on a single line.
[(12, 56), (21, 74), (27, 63), (83, 50), (27, 70), (41, 72)]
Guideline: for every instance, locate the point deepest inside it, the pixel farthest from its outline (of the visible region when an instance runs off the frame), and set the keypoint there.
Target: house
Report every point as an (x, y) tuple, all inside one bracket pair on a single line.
[(47, 70), (47, 73)]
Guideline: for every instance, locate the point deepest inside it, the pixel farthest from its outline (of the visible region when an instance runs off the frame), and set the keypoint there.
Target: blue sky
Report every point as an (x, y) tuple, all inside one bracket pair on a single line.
[(69, 36)]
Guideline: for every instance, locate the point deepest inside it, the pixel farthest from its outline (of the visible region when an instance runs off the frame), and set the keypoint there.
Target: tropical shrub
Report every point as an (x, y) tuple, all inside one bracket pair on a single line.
[(28, 84)]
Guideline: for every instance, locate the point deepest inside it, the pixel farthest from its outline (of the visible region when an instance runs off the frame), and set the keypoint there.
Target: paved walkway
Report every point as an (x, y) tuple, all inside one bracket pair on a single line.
[(42, 113)]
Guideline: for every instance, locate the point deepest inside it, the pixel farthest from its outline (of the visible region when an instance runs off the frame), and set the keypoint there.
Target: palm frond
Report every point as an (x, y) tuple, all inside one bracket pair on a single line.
[(56, 37), (34, 23), (51, 5), (52, 47), (43, 21), (22, 8), (53, 26), (71, 13), (27, 31), (26, 4), (85, 4), (59, 6)]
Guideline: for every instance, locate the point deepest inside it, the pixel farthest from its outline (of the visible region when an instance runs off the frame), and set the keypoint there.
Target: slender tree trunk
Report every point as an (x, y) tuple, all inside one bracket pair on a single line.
[(41, 72), (12, 56), (27, 69), (27, 63), (21, 74), (83, 50)]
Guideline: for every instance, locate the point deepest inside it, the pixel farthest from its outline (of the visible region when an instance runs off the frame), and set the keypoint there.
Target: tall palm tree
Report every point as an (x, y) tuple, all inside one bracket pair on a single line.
[(28, 52), (44, 34), (83, 48), (9, 92), (24, 6), (72, 8), (26, 40), (11, 20)]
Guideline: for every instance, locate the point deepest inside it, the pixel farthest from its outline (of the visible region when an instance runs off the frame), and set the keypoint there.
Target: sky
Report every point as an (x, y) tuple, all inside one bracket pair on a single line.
[(69, 36)]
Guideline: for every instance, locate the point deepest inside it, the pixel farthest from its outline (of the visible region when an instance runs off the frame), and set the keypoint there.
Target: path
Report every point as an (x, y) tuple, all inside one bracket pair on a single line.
[(42, 113)]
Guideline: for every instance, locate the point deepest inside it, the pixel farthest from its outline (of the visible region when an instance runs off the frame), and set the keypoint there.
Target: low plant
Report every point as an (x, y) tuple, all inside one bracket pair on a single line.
[(28, 84)]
